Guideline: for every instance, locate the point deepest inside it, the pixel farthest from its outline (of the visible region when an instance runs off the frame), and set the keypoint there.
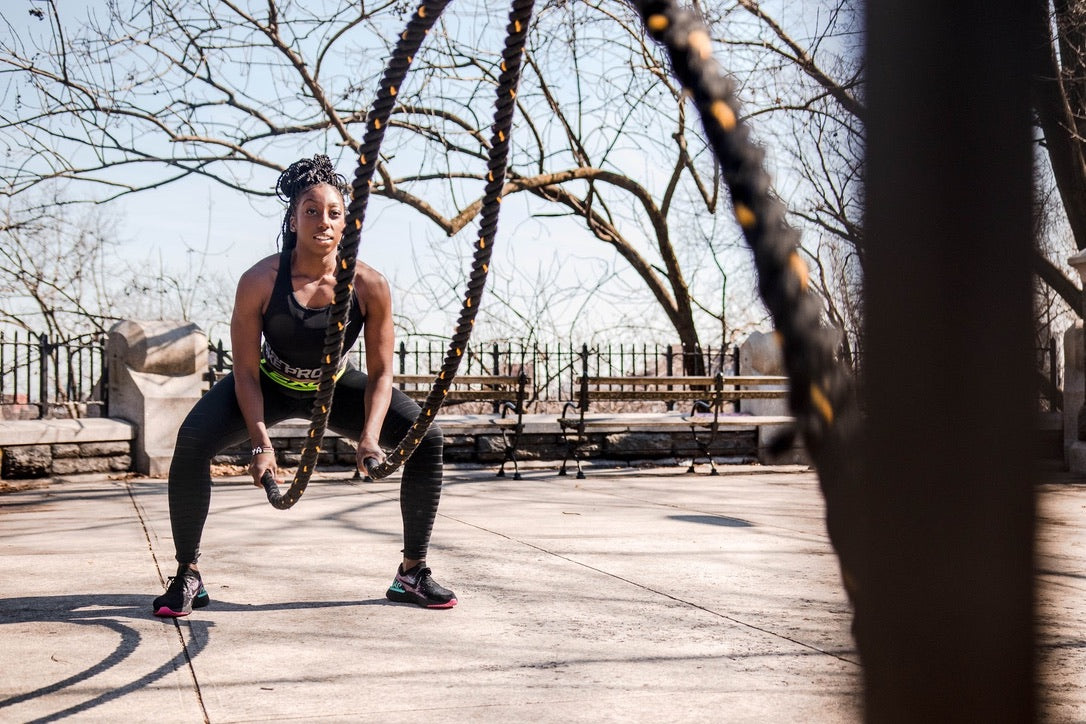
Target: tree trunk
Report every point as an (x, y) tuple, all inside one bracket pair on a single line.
[(1057, 115)]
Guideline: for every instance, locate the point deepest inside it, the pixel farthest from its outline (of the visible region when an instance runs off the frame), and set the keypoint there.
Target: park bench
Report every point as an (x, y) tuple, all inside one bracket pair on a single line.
[(704, 396), (506, 394)]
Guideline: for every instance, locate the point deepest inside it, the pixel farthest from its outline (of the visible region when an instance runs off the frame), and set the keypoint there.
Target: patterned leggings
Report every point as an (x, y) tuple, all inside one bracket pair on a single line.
[(216, 423)]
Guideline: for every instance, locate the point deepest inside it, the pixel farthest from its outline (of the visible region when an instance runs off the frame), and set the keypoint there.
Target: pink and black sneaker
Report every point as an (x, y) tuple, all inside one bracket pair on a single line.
[(185, 592), (417, 587)]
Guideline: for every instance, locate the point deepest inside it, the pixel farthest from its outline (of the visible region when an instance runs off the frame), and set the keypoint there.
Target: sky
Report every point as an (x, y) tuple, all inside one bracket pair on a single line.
[(533, 257)]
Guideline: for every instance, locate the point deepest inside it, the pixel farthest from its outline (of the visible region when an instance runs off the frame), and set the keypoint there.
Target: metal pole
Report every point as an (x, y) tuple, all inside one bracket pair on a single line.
[(43, 376)]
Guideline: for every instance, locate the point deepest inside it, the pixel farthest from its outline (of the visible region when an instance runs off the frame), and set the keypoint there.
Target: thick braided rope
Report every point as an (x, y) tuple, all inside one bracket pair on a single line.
[(376, 123), (822, 396), (508, 80)]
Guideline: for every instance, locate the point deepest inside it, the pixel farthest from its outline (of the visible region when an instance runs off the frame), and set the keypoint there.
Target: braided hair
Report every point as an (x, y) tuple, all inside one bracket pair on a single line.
[(299, 177)]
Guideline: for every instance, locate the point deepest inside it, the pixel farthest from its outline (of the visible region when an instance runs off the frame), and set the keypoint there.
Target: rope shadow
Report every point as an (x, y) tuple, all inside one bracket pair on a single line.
[(108, 610)]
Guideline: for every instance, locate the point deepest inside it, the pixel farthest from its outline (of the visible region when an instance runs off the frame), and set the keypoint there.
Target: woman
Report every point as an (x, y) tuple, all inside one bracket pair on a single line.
[(277, 333)]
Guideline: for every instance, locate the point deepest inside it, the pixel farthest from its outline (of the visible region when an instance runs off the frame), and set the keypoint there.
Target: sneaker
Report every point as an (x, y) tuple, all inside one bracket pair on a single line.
[(185, 592), (416, 586)]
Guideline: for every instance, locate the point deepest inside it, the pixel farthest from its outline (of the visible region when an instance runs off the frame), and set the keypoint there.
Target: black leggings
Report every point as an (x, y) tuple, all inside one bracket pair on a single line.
[(216, 423)]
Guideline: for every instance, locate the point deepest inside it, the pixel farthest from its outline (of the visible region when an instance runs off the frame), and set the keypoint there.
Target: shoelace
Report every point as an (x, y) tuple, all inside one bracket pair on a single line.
[(171, 579)]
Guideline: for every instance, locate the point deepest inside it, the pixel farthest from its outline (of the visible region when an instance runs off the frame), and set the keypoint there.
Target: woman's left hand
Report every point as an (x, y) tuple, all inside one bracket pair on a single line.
[(368, 448)]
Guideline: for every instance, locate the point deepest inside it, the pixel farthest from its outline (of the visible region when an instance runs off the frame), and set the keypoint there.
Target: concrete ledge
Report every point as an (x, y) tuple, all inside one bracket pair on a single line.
[(624, 422), (548, 423), (1076, 457), (82, 430)]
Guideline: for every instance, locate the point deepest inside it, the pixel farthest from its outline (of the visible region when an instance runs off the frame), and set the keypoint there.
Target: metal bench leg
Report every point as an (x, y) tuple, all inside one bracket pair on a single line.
[(706, 448), (513, 450), (505, 444), (510, 456), (571, 449), (709, 446)]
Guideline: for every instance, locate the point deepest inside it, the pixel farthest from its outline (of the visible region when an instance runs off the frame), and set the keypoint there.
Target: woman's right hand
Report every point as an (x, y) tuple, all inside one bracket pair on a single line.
[(261, 463)]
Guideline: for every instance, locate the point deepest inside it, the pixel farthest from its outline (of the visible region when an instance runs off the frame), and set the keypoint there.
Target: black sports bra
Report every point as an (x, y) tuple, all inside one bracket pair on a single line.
[(294, 334)]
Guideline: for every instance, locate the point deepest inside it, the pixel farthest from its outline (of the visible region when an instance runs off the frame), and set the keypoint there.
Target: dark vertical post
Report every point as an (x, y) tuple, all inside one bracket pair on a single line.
[(944, 613), (43, 375), (1053, 375), (496, 369), (103, 367)]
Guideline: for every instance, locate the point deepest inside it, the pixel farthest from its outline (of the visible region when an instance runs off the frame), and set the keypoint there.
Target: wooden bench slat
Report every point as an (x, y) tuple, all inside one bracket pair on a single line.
[(680, 395), (511, 380), (682, 381), (468, 395)]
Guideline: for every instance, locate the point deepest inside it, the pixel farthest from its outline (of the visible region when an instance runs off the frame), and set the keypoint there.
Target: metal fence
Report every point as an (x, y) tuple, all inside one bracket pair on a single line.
[(553, 368), (41, 378)]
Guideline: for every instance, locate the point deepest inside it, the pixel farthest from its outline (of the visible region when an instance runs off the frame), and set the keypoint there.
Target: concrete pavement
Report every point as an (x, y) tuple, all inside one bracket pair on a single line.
[(629, 596)]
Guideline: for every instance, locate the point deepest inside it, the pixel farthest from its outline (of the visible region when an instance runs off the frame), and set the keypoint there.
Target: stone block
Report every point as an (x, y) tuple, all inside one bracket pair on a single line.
[(27, 461), (624, 444), (760, 354), (161, 347), (1074, 380), (155, 377), (1076, 457), (541, 451), (460, 454), (459, 441), (104, 449), (75, 466), (490, 448), (727, 442), (66, 450)]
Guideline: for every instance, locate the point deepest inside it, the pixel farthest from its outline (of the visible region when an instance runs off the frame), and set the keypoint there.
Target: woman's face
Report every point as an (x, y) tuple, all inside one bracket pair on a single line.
[(319, 219)]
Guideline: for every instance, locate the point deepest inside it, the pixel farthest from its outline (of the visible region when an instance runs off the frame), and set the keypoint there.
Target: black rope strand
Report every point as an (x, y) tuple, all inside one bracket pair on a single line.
[(376, 123), (822, 396), (508, 81)]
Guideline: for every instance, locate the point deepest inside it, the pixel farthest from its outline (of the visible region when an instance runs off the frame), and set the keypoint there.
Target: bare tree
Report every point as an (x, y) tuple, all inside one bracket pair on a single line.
[(801, 71), (52, 276), (1059, 45), (151, 92), (65, 272)]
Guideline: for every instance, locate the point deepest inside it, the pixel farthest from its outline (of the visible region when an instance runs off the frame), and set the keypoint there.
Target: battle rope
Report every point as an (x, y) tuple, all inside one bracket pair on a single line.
[(822, 397), (377, 121), (508, 80)]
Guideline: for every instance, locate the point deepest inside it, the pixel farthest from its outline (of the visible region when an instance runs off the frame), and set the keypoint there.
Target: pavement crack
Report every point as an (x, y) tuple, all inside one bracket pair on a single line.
[(176, 623), (665, 594)]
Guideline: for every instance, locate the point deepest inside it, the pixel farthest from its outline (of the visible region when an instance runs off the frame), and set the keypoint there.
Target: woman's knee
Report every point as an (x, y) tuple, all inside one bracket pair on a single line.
[(434, 434)]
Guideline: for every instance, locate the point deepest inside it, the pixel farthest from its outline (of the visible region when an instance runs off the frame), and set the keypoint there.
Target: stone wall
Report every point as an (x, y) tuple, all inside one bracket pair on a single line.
[(666, 447), (42, 461), (43, 448)]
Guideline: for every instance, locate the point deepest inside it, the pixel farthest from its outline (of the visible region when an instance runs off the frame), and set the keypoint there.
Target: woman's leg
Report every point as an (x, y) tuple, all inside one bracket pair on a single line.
[(214, 424), (420, 485)]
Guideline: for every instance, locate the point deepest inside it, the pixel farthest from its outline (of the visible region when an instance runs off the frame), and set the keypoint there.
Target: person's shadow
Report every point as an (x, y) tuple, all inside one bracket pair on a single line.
[(111, 611)]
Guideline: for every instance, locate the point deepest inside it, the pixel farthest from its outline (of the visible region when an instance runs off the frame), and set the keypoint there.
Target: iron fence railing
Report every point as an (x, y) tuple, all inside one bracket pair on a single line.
[(552, 368), (42, 378)]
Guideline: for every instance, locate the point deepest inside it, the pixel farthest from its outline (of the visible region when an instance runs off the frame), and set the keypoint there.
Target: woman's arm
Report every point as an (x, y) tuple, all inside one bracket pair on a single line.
[(245, 331), (376, 301)]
